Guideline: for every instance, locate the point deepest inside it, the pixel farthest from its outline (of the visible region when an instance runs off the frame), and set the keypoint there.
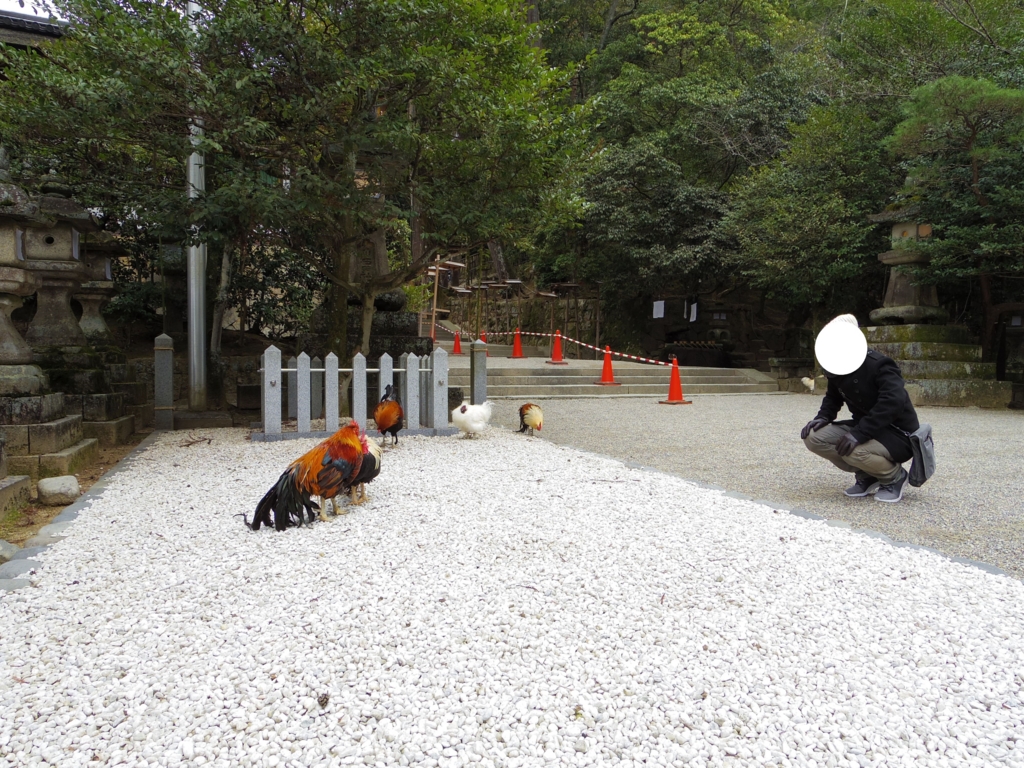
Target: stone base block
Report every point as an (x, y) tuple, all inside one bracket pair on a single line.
[(58, 491), (930, 350), (22, 380), (15, 437), (201, 420), (944, 369), (134, 392), (960, 392), (77, 381), (101, 407), (32, 409), (14, 490), (54, 436), (943, 334), (70, 460), (110, 433), (143, 414), (912, 313)]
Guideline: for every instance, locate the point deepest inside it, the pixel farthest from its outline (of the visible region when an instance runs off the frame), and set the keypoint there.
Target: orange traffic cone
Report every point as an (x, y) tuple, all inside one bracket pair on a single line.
[(483, 338), (517, 347), (556, 351), (457, 349), (675, 388), (607, 377)]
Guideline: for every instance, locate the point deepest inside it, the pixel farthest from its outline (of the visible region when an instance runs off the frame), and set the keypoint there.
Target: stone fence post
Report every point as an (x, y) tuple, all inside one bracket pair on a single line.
[(163, 382), (410, 389), (478, 373), (272, 391), (437, 390), (331, 388), (301, 393), (359, 389)]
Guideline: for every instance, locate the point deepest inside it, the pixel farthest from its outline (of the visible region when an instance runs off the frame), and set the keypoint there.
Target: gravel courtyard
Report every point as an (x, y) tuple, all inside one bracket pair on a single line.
[(502, 601), (973, 507)]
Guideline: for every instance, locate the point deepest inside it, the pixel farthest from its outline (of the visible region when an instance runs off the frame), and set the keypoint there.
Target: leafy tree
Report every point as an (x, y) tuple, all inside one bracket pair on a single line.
[(800, 223), (323, 123), (964, 139)]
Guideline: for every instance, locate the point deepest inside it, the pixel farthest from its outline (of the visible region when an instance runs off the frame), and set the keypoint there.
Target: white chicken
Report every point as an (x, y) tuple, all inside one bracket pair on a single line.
[(472, 419), (808, 382)]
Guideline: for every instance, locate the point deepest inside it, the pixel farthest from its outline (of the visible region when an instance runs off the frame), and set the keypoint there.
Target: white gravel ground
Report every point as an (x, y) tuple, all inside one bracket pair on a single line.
[(499, 602)]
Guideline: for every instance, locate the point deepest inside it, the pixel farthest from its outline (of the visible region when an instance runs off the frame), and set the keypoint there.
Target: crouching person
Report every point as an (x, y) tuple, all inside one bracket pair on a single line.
[(873, 444)]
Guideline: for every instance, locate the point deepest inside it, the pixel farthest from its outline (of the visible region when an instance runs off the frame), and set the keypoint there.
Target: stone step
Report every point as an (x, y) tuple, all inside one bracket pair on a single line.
[(585, 379), (593, 390), (927, 350), (942, 334), (48, 437), (960, 392), (143, 414), (100, 407), (943, 369), (65, 462), (202, 420), (112, 432), (76, 380), (32, 409), (134, 392), (14, 491)]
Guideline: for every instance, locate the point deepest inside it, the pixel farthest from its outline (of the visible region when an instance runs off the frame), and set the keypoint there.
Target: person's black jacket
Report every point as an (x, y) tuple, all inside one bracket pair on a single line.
[(878, 401)]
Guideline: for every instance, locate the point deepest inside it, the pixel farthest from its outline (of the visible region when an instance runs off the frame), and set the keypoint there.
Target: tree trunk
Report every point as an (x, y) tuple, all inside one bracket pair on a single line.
[(368, 311), (497, 260), (608, 21)]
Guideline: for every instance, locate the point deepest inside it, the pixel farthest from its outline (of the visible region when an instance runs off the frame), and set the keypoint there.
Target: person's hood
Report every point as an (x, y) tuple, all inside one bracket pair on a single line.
[(841, 347)]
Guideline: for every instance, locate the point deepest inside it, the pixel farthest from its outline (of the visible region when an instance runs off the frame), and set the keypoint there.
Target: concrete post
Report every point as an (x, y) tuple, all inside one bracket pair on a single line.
[(163, 382), (387, 375), (478, 373), (410, 383), (272, 391), (331, 390), (424, 382), (437, 409), (316, 390), (359, 389), (291, 381), (302, 392)]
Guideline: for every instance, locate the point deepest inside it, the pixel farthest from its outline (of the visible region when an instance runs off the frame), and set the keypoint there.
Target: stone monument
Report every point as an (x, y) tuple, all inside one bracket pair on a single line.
[(940, 363)]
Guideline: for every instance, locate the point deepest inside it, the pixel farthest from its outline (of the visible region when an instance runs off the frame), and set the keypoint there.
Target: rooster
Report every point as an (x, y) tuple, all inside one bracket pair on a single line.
[(325, 471), (388, 414), (367, 472), (471, 419), (531, 417)]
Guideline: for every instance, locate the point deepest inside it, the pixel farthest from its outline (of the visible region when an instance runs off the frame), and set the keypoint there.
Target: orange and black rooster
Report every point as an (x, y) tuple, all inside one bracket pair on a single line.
[(531, 417), (325, 471), (388, 414)]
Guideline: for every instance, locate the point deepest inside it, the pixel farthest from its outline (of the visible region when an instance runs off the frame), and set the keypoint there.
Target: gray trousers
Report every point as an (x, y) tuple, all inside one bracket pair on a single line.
[(871, 458)]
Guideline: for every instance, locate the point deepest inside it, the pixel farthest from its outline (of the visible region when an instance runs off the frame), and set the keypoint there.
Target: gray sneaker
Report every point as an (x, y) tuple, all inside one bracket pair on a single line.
[(864, 486), (893, 492)]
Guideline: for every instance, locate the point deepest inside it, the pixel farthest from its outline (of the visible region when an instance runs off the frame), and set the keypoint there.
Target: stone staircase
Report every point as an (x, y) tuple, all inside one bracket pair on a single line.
[(41, 438), (532, 378), (941, 365)]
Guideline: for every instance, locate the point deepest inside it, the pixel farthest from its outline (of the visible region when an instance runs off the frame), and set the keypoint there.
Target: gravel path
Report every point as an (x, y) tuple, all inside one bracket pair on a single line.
[(501, 601), (973, 506)]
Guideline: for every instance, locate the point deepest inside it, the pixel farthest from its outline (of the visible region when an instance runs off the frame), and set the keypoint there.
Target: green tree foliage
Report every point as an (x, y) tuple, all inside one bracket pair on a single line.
[(322, 123), (799, 224), (964, 139)]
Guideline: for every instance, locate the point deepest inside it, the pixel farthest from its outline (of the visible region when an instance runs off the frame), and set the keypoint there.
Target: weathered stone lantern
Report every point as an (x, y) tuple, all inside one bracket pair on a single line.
[(905, 301), (98, 289), (53, 255), (18, 376)]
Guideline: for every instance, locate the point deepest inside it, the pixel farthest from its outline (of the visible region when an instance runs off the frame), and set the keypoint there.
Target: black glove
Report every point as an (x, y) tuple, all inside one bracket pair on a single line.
[(813, 426), (846, 444)]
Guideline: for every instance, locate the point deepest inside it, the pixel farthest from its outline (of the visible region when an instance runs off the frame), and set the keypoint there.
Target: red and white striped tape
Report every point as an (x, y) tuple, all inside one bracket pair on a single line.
[(637, 358)]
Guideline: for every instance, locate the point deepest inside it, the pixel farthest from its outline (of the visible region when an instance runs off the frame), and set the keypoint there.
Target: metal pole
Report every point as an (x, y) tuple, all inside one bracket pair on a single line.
[(433, 312), (196, 267)]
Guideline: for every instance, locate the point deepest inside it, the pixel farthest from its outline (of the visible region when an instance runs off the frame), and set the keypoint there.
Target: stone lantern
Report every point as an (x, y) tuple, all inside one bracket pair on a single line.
[(53, 254), (98, 288), (905, 301), (18, 212)]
